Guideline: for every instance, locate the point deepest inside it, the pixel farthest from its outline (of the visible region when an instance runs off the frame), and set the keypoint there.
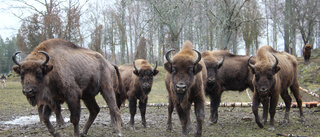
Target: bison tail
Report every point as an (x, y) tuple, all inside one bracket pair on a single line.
[(123, 95)]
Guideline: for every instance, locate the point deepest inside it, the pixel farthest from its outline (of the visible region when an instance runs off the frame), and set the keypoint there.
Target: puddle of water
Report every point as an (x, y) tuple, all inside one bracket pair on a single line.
[(26, 120)]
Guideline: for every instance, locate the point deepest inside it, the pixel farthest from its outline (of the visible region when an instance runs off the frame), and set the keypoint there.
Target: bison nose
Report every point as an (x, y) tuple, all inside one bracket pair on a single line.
[(263, 89), (181, 87), (211, 80), (29, 92), (146, 85)]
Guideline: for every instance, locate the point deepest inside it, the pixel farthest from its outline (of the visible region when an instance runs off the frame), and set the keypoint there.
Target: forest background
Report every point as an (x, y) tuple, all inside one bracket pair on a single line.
[(118, 29)]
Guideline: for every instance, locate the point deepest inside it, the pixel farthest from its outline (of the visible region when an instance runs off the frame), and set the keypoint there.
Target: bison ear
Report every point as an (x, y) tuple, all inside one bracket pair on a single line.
[(16, 69), (168, 67), (47, 69), (197, 68), (276, 69), (136, 72), (155, 72)]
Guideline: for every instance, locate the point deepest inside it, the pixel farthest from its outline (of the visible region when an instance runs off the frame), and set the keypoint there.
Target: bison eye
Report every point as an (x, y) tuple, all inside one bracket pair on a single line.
[(257, 77), (269, 76), (190, 71), (173, 69)]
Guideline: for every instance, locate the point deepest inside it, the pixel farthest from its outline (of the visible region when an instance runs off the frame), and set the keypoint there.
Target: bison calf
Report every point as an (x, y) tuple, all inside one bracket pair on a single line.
[(58, 70), (184, 81), (274, 72), (137, 80)]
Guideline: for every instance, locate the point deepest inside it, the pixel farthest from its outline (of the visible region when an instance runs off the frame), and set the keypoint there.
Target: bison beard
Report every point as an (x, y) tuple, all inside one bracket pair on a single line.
[(58, 71), (184, 82)]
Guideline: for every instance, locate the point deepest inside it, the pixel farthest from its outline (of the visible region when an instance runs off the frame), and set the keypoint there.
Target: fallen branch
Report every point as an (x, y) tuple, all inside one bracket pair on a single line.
[(309, 92), (234, 104)]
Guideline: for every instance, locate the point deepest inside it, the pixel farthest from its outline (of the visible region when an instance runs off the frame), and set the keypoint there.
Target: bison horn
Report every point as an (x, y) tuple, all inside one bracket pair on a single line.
[(199, 57), (47, 57), (221, 61), (14, 58), (249, 64), (276, 63), (135, 67), (155, 66), (167, 56)]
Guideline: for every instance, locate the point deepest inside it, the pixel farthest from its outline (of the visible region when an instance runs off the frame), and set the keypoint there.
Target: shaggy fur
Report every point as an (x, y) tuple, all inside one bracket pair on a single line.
[(232, 74), (183, 72), (271, 80), (138, 84), (72, 73)]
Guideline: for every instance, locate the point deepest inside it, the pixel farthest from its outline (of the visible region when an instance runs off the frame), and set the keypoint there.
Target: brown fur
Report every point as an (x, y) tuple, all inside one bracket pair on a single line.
[(183, 71), (270, 82), (72, 73), (307, 52), (232, 74), (138, 85)]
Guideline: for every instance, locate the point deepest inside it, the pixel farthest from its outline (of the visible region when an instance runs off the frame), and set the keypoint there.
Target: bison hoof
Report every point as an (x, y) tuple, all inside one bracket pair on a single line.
[(169, 128), (260, 124), (302, 120), (56, 134)]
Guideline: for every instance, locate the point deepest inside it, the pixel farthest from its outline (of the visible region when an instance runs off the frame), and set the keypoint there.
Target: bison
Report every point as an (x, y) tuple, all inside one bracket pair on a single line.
[(137, 79), (307, 52), (58, 70), (274, 72), (185, 82), (225, 71)]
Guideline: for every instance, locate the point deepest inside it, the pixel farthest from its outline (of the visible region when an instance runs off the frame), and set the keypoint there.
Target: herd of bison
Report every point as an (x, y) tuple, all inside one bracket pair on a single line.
[(58, 71)]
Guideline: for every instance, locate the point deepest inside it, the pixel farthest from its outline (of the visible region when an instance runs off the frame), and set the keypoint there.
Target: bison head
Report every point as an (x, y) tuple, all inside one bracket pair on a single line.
[(32, 74), (212, 67), (182, 68), (145, 76), (264, 78)]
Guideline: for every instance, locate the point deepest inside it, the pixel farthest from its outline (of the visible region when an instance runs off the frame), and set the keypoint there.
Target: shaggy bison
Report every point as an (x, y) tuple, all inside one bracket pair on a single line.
[(307, 52), (185, 79), (274, 72), (58, 70), (225, 71), (137, 79)]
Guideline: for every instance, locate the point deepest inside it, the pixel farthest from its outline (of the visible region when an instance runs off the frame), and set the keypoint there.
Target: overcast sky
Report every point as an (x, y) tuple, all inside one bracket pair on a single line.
[(9, 24)]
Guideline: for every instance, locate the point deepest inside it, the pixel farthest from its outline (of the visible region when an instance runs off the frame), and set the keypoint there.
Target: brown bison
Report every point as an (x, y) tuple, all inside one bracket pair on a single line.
[(185, 82), (225, 71), (137, 79), (274, 72), (58, 70), (307, 52)]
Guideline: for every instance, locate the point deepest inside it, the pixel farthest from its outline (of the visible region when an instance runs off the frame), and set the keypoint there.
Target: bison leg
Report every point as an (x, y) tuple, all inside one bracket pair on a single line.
[(46, 120), (184, 116), (40, 112), (133, 109), (255, 107), (57, 111), (199, 111), (74, 108), (265, 104), (214, 104), (287, 100), (296, 93), (272, 110), (143, 107), (170, 110), (94, 109), (109, 97)]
